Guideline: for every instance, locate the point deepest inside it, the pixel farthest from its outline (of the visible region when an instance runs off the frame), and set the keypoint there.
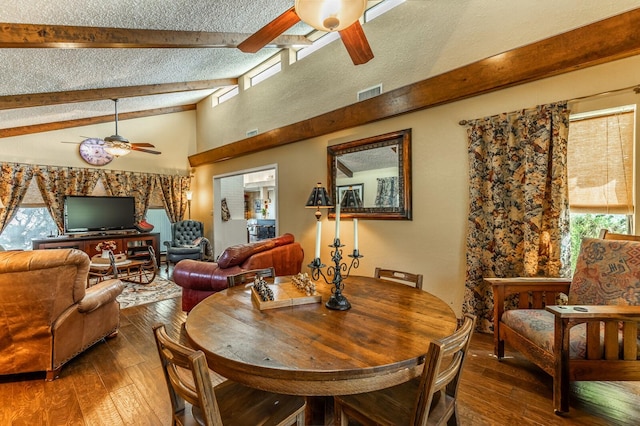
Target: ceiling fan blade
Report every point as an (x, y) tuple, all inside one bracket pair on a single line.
[(143, 144), (149, 151), (75, 143), (356, 43), (269, 32)]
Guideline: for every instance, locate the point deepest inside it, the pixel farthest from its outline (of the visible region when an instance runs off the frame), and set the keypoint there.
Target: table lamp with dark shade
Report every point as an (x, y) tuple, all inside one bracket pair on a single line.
[(351, 199), (319, 198)]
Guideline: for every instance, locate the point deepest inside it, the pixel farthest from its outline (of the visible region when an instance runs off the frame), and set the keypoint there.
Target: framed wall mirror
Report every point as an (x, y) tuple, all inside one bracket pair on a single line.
[(372, 176)]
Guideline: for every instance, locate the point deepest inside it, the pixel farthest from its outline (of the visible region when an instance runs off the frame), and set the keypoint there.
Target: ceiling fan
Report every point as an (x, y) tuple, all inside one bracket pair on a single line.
[(324, 15), (117, 145)]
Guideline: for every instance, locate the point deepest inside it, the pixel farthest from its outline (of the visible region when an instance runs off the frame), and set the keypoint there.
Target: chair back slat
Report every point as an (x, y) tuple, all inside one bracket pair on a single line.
[(249, 276), (399, 276), (188, 374), (435, 376)]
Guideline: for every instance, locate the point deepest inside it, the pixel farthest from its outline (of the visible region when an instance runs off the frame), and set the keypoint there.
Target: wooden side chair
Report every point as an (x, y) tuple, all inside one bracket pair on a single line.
[(250, 275), (187, 376), (414, 279), (595, 336), (425, 400)]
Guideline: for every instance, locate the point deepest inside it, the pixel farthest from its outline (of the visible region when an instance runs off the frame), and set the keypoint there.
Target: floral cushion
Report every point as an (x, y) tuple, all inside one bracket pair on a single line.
[(537, 326), (607, 273)]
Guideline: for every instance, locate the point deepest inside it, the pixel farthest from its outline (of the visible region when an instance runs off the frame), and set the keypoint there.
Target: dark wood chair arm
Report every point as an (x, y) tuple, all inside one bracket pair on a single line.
[(535, 292), (596, 312), (521, 284)]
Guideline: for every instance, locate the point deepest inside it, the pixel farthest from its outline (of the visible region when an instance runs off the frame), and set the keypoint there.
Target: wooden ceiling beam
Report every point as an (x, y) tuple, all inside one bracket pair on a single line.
[(603, 41), (14, 35), (88, 95), (59, 125), (344, 169)]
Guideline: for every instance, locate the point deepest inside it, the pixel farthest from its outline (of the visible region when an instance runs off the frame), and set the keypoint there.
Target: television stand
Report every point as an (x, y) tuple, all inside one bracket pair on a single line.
[(134, 245)]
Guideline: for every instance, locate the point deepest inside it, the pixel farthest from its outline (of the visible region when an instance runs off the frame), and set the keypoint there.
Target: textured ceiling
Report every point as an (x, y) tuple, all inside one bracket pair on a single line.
[(25, 71), (458, 32)]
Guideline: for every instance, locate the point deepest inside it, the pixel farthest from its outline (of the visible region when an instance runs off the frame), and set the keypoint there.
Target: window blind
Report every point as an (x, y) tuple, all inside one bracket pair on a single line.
[(600, 164)]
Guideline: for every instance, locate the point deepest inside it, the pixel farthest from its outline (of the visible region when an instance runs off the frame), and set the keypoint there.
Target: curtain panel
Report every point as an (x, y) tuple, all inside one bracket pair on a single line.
[(137, 185), (14, 182), (56, 182), (518, 221), (174, 194)]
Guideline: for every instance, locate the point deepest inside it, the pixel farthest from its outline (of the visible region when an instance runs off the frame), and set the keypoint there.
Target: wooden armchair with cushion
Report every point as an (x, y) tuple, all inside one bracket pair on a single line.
[(595, 336)]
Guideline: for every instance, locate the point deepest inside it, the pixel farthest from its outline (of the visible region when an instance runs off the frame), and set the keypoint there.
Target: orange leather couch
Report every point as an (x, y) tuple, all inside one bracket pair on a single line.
[(201, 279), (47, 316)]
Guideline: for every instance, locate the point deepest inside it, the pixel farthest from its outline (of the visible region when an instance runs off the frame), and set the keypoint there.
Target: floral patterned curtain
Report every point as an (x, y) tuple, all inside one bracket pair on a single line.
[(387, 193), (130, 184), (56, 182), (14, 182), (174, 194), (519, 211)]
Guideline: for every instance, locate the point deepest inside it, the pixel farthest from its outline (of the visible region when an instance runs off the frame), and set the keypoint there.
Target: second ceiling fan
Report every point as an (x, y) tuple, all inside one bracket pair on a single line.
[(324, 15), (117, 145)]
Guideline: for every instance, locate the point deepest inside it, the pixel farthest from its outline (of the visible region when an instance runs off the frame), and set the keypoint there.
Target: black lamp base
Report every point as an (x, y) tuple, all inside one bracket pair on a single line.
[(338, 303)]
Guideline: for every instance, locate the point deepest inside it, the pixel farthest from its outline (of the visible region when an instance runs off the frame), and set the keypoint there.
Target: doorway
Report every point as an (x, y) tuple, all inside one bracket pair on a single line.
[(245, 207)]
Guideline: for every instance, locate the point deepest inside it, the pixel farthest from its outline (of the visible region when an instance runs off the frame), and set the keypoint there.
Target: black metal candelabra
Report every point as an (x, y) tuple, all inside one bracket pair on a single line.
[(337, 301)]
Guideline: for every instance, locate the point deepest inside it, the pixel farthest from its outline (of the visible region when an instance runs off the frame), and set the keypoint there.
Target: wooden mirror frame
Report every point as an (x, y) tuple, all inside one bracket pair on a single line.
[(402, 138)]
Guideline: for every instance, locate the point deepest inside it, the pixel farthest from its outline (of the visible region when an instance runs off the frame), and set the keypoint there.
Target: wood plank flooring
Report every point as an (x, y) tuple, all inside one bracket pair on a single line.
[(119, 382)]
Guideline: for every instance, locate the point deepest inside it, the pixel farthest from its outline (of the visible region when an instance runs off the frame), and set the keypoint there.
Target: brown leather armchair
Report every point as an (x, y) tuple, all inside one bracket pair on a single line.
[(201, 279), (47, 316)]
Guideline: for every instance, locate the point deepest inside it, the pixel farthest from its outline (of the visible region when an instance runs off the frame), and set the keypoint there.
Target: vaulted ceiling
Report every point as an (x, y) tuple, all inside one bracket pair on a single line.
[(65, 60), (62, 62)]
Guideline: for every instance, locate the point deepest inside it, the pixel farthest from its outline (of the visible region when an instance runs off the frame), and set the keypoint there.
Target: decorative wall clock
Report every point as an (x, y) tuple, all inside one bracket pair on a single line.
[(92, 151)]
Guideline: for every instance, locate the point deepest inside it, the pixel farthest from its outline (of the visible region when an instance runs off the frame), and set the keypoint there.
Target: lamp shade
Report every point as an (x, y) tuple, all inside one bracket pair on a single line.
[(117, 149), (330, 15), (351, 199), (319, 198)]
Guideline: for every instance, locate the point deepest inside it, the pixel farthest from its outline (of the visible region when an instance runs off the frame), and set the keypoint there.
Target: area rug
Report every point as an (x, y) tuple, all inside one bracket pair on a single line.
[(140, 294)]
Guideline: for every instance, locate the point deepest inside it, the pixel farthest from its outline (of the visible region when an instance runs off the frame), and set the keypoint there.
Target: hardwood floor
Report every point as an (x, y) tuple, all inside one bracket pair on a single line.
[(120, 383)]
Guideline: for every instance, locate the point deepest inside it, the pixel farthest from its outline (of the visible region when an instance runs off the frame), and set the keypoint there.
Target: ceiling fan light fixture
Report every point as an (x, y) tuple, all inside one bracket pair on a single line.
[(117, 149), (330, 15)]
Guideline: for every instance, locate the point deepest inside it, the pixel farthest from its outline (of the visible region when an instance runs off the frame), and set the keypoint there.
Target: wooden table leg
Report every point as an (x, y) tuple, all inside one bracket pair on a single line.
[(319, 410)]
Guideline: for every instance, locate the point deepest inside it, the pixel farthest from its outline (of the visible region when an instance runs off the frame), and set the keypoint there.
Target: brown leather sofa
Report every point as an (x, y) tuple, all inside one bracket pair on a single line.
[(47, 316), (201, 279)]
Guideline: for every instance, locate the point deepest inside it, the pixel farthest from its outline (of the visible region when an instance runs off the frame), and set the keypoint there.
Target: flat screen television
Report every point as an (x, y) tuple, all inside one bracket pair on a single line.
[(86, 213)]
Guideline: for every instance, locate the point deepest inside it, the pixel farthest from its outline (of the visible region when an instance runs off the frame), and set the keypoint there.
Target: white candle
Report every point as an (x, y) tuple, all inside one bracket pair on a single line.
[(355, 234), (337, 215), (318, 233)]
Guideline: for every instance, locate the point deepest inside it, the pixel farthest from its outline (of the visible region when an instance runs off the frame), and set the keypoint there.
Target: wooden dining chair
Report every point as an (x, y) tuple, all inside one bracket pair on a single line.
[(414, 279), (187, 376), (426, 400), (250, 275)]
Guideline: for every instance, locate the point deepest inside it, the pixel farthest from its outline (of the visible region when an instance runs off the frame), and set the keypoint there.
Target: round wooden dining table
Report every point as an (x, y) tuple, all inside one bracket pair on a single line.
[(311, 350)]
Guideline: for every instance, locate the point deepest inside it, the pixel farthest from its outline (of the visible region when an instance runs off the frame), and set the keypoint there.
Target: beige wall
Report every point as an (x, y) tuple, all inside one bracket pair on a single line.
[(173, 134), (434, 242), (408, 45)]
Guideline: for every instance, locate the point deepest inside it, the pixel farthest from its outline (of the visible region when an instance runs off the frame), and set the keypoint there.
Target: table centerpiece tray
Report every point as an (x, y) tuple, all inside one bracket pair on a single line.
[(285, 293)]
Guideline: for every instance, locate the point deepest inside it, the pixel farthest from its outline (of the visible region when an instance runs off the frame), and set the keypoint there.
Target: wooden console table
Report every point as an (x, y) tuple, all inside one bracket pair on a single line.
[(134, 245)]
